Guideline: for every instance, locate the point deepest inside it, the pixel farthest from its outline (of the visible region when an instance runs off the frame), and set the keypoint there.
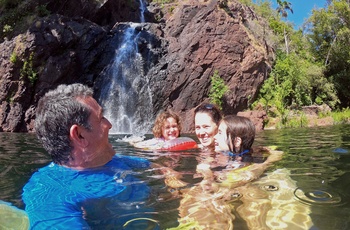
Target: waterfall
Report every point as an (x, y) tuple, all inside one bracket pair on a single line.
[(142, 11), (125, 94)]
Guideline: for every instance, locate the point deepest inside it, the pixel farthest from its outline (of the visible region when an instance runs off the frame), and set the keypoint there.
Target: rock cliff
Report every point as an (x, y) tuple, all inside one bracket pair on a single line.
[(190, 40), (209, 37)]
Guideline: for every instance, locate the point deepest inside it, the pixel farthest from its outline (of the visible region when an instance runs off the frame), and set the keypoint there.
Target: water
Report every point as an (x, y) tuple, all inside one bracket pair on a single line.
[(125, 93), (143, 9), (310, 185)]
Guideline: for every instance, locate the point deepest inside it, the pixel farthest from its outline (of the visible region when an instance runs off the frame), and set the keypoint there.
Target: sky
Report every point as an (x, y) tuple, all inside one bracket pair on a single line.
[(302, 10)]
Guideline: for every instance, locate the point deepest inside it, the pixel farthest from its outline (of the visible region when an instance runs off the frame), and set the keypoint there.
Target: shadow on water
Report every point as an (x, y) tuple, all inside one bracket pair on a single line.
[(315, 162)]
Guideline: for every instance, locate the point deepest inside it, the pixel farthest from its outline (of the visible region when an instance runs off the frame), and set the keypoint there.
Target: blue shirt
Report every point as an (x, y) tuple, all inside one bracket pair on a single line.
[(106, 197)]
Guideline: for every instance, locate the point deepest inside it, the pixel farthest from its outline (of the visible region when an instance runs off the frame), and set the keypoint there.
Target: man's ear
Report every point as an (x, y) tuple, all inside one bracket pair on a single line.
[(76, 135), (238, 142)]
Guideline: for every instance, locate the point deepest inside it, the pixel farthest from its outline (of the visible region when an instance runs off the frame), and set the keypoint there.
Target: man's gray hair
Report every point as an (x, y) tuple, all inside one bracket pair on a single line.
[(56, 112)]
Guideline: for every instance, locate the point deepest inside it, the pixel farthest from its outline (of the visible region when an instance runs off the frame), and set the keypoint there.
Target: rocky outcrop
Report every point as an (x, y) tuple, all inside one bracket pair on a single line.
[(192, 42), (204, 38), (55, 50), (102, 12)]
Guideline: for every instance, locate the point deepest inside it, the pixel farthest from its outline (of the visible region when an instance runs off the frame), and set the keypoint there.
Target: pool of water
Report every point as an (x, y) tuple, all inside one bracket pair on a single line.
[(308, 189)]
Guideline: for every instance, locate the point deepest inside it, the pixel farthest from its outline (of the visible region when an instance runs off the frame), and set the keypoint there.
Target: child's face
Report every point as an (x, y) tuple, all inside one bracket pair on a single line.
[(170, 129), (221, 138)]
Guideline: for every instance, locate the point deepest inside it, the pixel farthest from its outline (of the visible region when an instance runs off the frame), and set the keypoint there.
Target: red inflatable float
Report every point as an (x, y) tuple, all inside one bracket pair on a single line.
[(179, 144)]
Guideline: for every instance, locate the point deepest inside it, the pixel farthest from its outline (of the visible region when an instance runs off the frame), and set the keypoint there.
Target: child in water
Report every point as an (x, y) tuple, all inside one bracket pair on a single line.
[(167, 128), (235, 138)]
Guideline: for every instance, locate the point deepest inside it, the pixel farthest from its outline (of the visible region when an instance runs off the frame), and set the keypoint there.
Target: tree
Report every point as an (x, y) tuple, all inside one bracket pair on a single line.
[(329, 37), (282, 8)]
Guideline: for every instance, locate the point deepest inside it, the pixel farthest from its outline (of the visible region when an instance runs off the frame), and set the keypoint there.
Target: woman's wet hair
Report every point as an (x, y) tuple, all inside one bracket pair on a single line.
[(56, 112), (212, 110), (160, 120), (238, 126)]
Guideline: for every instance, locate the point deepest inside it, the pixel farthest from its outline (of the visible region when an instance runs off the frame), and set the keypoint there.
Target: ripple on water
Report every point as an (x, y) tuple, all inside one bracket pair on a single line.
[(319, 196)]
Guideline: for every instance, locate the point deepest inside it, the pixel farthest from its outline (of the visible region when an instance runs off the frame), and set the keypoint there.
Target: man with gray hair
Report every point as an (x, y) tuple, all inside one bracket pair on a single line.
[(87, 186)]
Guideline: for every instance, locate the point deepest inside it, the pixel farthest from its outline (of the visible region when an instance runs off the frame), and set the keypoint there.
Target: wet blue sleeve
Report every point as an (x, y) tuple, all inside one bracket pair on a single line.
[(51, 201), (45, 210)]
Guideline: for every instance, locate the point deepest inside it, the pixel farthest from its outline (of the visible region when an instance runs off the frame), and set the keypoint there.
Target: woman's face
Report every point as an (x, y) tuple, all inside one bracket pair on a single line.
[(205, 129), (221, 138), (170, 129)]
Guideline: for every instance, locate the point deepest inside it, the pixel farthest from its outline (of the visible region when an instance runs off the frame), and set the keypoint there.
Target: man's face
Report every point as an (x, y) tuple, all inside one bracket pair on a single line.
[(98, 150)]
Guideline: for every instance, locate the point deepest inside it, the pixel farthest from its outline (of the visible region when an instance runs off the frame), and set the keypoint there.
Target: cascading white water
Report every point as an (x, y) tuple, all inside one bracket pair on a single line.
[(142, 10), (125, 95)]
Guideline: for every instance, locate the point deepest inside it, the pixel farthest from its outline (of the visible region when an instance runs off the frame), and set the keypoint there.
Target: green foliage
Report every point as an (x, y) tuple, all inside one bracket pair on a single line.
[(43, 11), (294, 82), (323, 114), (329, 39), (218, 89), (246, 2), (10, 98), (264, 9), (28, 71), (13, 57), (283, 8), (171, 9), (297, 121), (17, 15), (341, 117), (7, 29)]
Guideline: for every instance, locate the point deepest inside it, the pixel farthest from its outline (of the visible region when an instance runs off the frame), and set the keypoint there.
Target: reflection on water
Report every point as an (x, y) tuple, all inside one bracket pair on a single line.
[(20, 155), (312, 179), (318, 160)]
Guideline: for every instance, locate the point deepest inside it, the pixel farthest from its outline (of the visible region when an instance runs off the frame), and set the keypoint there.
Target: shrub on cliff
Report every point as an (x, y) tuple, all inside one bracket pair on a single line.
[(218, 89)]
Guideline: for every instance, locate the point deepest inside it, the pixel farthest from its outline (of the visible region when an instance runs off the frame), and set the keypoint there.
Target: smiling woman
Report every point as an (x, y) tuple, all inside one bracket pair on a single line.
[(206, 122)]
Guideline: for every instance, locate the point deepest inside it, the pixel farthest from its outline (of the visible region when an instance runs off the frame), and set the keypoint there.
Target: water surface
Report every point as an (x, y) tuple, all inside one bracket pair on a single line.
[(315, 170)]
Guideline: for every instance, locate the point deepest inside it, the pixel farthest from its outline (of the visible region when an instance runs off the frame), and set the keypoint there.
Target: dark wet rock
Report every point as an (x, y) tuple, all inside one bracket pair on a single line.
[(54, 50), (78, 42)]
